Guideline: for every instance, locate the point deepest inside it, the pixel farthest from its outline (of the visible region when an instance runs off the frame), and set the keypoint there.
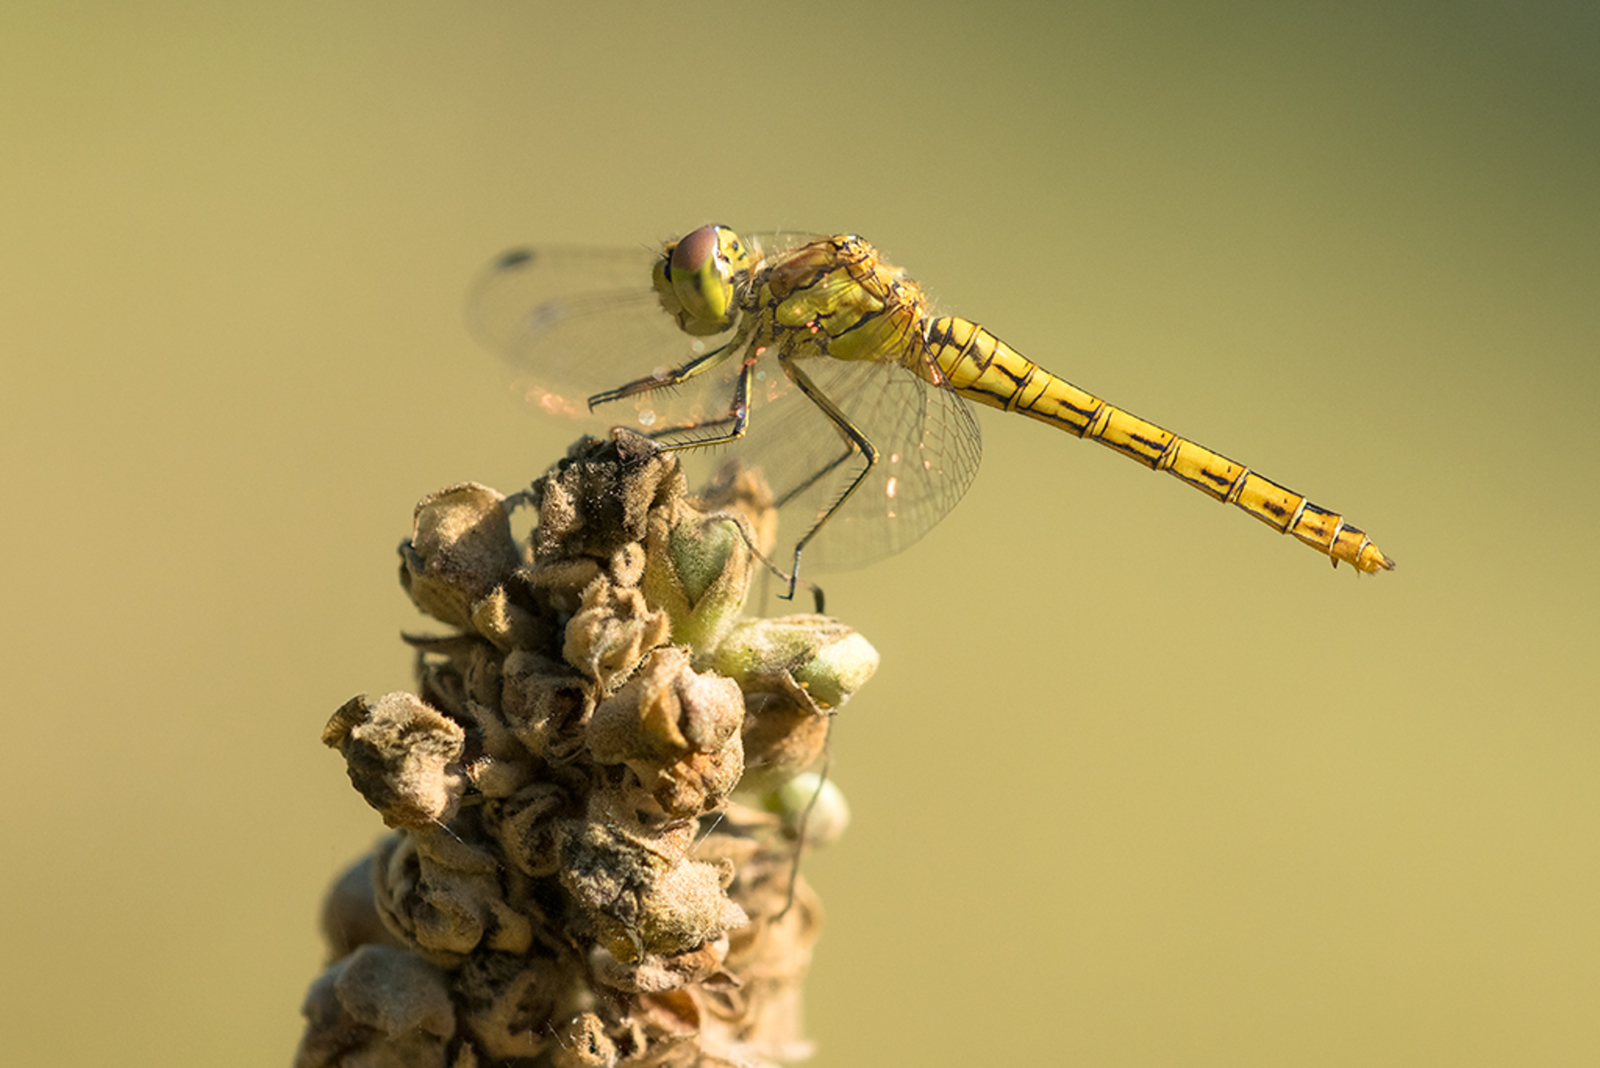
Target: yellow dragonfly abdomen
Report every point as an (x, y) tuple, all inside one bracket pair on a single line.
[(985, 369)]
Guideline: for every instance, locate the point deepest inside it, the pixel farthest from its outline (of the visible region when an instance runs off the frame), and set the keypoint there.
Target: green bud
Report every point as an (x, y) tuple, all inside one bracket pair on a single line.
[(824, 657), (697, 571), (812, 808)]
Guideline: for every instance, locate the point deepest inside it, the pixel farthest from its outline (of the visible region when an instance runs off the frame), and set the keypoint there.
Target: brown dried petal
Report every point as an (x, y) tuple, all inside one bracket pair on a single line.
[(379, 1008), (460, 549), (504, 622), (445, 898), (666, 710), (677, 730), (700, 782), (526, 827), (350, 915), (784, 734), (498, 765), (612, 632), (507, 1001), (546, 705), (401, 756)]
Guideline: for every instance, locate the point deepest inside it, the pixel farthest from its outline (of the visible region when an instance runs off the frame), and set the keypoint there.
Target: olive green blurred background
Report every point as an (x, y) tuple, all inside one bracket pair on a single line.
[(1139, 782)]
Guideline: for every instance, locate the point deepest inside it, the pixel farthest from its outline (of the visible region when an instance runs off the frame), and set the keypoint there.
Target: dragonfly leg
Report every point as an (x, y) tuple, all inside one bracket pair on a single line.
[(704, 432), (856, 441), (805, 817), (729, 426), (820, 473), (732, 418), (666, 380)]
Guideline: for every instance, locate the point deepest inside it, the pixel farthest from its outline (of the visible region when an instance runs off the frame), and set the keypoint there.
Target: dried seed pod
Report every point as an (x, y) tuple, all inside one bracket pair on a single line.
[(677, 730), (460, 549), (612, 631), (401, 756), (378, 1006)]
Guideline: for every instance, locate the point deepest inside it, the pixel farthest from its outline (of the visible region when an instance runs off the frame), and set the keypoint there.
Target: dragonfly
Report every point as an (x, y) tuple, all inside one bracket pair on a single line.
[(830, 373)]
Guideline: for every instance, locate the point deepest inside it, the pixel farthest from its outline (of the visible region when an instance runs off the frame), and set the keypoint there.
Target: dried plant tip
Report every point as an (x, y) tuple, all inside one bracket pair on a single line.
[(401, 756), (460, 549), (571, 884), (597, 500)]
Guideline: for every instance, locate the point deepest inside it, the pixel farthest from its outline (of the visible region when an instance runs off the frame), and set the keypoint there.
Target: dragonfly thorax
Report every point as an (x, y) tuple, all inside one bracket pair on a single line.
[(838, 298)]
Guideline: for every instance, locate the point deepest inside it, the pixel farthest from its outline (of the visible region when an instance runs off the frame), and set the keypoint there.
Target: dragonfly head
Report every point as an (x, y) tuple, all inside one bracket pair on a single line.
[(698, 276)]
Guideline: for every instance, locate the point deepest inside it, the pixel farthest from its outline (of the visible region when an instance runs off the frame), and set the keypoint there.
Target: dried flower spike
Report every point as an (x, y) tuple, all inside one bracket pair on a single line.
[(568, 879)]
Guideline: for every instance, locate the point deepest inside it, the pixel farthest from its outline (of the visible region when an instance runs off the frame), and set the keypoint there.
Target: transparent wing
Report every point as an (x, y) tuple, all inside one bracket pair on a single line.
[(573, 322), (772, 243), (929, 447)]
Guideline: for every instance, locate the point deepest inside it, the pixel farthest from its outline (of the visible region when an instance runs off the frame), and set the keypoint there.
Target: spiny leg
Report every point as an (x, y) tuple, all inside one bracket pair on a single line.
[(853, 435), (729, 418), (675, 377), (811, 480), (820, 473), (736, 418)]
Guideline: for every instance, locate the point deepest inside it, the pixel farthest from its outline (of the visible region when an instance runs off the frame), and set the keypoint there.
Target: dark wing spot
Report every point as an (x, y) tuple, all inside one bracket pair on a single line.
[(515, 258)]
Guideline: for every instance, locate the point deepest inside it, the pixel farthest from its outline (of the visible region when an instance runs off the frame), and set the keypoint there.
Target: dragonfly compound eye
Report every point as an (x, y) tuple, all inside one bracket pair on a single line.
[(703, 267)]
